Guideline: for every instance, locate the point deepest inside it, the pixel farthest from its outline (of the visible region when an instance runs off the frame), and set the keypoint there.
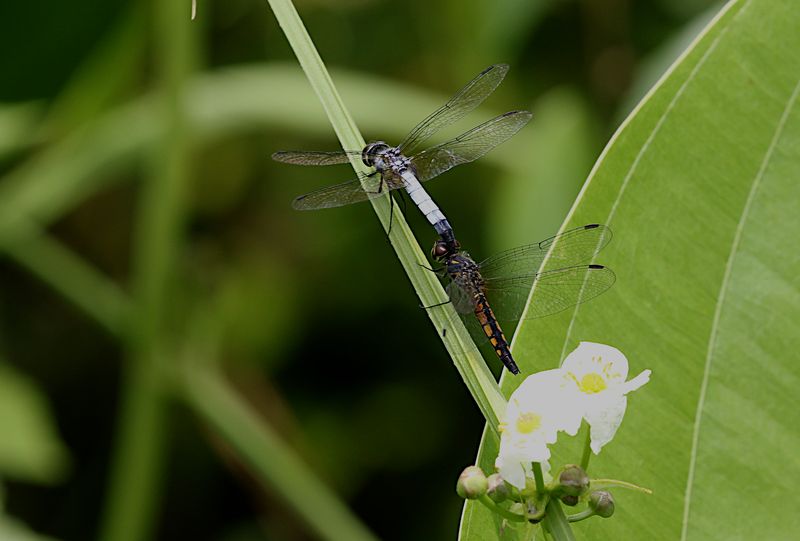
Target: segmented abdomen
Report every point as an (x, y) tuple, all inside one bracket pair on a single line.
[(491, 328)]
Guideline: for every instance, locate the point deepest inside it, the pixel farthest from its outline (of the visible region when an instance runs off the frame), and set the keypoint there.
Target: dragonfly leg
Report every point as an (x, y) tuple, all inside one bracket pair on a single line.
[(403, 201), (435, 305), (391, 214), (393, 202), (435, 271)]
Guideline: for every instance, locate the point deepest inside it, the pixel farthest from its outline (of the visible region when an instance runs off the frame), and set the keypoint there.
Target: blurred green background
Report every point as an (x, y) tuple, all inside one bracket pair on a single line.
[(308, 314)]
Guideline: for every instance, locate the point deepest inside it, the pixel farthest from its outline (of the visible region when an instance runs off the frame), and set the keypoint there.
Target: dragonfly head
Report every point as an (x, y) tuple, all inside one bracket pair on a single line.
[(444, 249), (371, 151)]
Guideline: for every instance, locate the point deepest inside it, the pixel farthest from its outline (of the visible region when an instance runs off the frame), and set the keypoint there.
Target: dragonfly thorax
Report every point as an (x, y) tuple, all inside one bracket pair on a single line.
[(466, 274), (461, 265), (384, 157)]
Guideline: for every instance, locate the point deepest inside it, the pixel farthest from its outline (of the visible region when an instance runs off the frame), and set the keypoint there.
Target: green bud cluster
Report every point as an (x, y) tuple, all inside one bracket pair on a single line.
[(572, 486)]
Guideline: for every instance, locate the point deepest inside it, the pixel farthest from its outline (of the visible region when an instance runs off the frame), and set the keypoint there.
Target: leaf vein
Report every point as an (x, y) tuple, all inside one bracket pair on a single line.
[(712, 339)]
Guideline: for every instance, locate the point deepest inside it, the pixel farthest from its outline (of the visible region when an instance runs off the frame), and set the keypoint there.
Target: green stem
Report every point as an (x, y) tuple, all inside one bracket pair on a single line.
[(538, 477), (271, 460), (67, 273), (502, 511), (136, 468), (599, 484), (583, 515), (465, 355), (556, 522), (587, 449)]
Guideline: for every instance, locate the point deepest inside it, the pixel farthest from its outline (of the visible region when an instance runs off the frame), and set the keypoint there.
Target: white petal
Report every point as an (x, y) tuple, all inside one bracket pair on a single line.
[(514, 467), (511, 471), (539, 388), (553, 397), (636, 382), (604, 418), (598, 358), (571, 412)]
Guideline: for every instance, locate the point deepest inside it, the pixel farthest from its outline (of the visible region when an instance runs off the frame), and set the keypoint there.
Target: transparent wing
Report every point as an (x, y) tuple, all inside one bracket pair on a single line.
[(462, 302), (363, 188), (555, 291), (569, 248), (464, 101), (469, 146), (302, 157)]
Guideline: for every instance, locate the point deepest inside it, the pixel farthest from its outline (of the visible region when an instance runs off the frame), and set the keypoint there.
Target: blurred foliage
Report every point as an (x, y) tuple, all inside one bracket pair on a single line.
[(33, 452), (309, 314)]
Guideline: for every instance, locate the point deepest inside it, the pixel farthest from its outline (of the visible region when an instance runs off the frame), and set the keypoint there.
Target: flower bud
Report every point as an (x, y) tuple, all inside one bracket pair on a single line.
[(498, 489), (602, 502), (573, 480), (472, 483), (571, 501)]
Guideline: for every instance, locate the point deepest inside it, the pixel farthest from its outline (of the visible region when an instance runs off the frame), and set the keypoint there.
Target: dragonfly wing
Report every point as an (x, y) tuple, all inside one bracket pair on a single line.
[(302, 157), (464, 101), (461, 300), (567, 249), (554, 291), (469, 146), (363, 188)]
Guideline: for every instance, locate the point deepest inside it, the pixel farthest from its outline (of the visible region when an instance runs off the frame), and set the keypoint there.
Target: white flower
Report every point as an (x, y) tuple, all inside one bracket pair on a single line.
[(542, 405), (599, 374)]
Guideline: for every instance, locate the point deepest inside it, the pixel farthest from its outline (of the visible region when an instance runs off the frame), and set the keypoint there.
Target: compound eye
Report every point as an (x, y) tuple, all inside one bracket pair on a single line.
[(439, 250)]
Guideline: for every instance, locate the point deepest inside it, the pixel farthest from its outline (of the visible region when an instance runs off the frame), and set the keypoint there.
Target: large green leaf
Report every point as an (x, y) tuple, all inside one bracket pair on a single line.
[(700, 186)]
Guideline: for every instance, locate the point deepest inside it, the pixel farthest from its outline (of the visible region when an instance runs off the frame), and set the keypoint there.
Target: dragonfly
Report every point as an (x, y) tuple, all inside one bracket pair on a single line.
[(508, 277), (403, 167)]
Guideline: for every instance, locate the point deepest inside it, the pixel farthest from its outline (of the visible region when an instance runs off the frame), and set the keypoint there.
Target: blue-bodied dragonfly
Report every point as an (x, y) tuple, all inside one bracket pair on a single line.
[(507, 278), (400, 167)]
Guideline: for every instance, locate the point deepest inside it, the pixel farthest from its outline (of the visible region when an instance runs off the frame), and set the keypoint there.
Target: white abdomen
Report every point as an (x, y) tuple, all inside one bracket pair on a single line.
[(421, 198)]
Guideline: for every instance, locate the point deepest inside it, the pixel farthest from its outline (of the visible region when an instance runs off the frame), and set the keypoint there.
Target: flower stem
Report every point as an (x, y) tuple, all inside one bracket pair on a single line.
[(587, 449), (539, 478), (606, 483), (502, 511), (583, 515)]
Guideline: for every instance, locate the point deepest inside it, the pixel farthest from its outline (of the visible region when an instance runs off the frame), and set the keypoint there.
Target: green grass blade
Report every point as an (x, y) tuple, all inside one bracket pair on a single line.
[(67, 273), (466, 357), (273, 462), (137, 464)]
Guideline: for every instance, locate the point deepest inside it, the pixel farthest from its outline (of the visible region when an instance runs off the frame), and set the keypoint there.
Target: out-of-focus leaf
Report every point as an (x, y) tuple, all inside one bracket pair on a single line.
[(30, 449), (14, 530), (653, 66), (112, 67), (17, 124), (229, 101), (505, 26), (700, 187), (529, 202), (258, 308)]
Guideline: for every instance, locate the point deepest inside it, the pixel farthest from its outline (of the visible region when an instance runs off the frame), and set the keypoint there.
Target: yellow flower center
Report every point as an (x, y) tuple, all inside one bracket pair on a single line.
[(528, 422), (592, 383)]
